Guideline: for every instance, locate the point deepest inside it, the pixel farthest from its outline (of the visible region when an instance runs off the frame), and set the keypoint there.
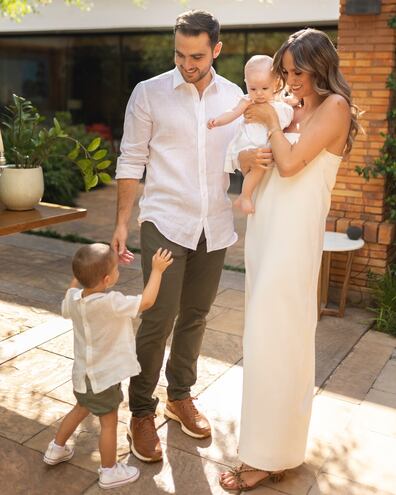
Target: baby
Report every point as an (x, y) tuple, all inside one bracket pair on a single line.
[(104, 352), (262, 87)]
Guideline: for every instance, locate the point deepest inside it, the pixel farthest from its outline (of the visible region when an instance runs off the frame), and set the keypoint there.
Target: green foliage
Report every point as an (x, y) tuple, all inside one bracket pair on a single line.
[(63, 180), (28, 144), (383, 287), (17, 9), (385, 165), (384, 298), (62, 183)]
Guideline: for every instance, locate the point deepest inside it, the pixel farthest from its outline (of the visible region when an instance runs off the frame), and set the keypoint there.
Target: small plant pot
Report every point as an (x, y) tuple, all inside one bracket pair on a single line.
[(21, 188)]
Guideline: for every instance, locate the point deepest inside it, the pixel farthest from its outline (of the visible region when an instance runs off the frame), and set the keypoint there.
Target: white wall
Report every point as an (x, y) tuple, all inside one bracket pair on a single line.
[(124, 15)]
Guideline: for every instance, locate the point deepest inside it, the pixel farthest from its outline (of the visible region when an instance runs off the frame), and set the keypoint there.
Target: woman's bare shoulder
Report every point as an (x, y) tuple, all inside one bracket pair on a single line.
[(335, 102)]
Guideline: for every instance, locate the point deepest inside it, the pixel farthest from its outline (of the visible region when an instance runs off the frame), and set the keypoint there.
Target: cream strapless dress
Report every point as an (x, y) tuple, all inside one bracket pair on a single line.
[(283, 250)]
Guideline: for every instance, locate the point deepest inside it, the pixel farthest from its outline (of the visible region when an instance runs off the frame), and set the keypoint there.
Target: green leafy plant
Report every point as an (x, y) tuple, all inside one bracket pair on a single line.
[(63, 180), (385, 165), (17, 9), (384, 298), (28, 143)]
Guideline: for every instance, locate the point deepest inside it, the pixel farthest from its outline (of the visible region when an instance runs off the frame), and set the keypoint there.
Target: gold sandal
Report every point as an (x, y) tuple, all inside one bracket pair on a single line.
[(237, 471)]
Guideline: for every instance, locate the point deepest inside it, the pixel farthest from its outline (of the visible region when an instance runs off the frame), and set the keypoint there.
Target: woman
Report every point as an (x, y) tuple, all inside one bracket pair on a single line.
[(284, 241)]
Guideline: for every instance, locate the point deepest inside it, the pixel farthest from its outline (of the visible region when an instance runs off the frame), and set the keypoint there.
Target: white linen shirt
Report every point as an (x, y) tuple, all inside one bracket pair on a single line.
[(165, 130), (104, 343)]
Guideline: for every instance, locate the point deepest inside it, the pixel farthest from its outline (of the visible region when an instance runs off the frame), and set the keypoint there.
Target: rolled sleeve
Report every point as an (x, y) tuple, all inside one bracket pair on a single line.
[(136, 137), (231, 162)]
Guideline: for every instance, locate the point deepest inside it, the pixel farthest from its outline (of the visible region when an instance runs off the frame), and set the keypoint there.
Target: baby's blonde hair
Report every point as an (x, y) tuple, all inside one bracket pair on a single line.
[(92, 263), (258, 62)]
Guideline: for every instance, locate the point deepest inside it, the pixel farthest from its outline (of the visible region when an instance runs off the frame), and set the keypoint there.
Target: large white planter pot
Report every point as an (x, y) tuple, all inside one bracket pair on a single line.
[(21, 188)]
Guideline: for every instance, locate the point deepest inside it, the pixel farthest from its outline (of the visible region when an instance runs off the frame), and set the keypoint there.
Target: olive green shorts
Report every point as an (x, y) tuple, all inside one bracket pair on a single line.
[(101, 403)]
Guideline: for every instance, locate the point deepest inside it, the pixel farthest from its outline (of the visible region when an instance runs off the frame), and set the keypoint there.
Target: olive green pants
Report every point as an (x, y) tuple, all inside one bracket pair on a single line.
[(188, 289)]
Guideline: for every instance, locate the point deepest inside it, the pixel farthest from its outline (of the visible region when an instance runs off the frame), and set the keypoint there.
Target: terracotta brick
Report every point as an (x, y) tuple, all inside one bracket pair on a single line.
[(369, 187), (370, 217), (362, 63), (373, 262), (378, 255), (346, 193), (374, 210), (353, 208), (363, 55), (383, 75), (357, 223), (347, 55), (370, 231), (388, 7), (366, 66), (331, 224), (360, 78), (343, 224), (378, 104), (386, 233)]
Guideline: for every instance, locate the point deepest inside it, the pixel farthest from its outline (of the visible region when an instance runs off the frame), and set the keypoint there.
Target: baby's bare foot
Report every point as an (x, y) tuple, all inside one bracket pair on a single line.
[(245, 204)]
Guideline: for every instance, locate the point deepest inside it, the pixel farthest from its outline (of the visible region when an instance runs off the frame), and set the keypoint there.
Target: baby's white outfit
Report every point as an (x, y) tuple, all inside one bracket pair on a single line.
[(255, 135)]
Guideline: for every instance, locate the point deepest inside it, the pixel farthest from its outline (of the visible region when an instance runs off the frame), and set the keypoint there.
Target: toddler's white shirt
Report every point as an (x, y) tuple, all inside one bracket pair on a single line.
[(104, 342)]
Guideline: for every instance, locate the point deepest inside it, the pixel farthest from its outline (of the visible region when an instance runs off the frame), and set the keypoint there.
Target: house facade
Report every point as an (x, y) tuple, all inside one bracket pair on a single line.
[(88, 63)]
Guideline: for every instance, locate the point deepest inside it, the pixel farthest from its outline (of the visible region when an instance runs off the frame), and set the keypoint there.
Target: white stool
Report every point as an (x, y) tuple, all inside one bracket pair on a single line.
[(335, 242)]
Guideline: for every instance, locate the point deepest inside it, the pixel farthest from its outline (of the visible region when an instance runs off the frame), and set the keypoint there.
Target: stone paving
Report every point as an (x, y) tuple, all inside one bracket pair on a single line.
[(352, 440)]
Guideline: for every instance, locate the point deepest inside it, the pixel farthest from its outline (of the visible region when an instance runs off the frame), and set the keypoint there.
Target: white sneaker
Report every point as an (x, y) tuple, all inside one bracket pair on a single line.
[(120, 474), (56, 454)]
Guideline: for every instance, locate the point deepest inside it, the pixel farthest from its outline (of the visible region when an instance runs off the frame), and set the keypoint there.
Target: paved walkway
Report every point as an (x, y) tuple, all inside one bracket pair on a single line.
[(99, 223), (352, 440)]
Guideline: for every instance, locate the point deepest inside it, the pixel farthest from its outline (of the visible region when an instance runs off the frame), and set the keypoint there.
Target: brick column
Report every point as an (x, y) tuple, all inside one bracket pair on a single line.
[(366, 46)]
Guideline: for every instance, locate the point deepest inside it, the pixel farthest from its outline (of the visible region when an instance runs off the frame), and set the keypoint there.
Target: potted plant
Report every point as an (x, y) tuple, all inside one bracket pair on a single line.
[(28, 143)]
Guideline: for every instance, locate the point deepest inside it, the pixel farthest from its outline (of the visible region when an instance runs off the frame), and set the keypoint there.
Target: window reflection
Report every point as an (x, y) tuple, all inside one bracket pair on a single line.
[(92, 75)]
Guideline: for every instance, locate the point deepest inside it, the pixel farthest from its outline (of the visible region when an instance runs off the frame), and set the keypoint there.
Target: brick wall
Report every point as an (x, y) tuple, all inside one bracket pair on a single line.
[(366, 46)]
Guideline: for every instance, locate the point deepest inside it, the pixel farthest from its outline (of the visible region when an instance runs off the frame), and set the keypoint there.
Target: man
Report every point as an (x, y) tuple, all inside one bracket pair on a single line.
[(184, 208)]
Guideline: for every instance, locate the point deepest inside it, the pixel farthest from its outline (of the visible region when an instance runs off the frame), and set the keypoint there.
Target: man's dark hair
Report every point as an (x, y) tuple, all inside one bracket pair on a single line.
[(195, 22)]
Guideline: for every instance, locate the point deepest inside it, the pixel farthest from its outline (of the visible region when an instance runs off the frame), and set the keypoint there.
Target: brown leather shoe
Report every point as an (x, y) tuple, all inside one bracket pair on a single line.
[(143, 439), (192, 422)]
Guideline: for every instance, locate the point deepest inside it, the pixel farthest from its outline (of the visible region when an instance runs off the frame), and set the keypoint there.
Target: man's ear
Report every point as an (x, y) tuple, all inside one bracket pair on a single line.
[(217, 49)]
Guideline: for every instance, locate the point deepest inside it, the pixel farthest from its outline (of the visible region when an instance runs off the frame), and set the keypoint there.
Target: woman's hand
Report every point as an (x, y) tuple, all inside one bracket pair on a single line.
[(257, 157), (261, 113)]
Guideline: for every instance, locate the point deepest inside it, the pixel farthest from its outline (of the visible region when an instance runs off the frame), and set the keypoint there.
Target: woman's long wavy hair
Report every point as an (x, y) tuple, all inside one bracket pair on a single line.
[(313, 52)]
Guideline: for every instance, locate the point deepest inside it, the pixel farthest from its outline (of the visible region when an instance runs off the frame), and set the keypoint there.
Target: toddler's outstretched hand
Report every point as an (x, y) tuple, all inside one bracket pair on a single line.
[(162, 259)]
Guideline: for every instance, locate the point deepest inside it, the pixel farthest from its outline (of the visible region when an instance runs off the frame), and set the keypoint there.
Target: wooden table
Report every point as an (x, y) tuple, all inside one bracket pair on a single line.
[(335, 242), (44, 214)]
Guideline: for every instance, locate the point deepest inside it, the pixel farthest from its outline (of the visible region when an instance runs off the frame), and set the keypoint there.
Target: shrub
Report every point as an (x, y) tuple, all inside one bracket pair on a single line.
[(63, 180), (384, 298)]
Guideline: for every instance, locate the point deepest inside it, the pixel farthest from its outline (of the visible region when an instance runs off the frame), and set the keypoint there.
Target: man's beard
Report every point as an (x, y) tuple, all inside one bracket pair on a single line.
[(196, 76)]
